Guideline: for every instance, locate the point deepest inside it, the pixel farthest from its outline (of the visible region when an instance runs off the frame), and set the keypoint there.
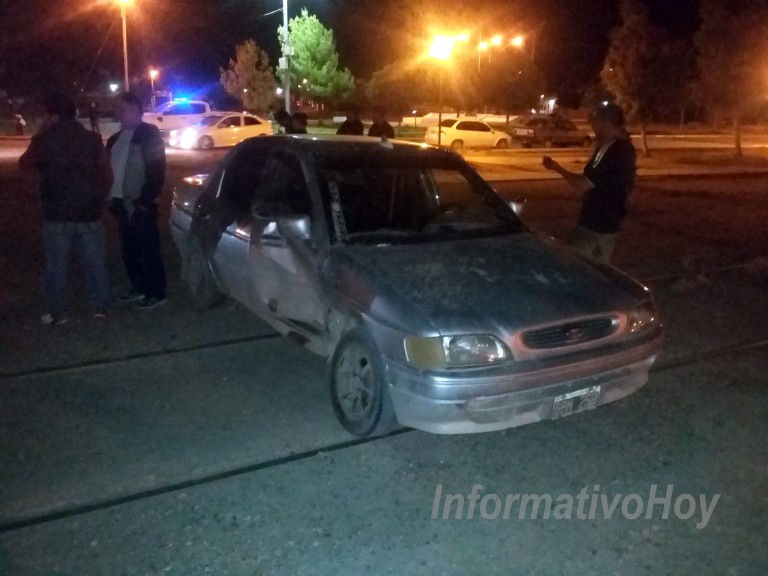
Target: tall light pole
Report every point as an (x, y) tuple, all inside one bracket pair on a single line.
[(440, 50), (152, 75), (287, 59), (123, 4)]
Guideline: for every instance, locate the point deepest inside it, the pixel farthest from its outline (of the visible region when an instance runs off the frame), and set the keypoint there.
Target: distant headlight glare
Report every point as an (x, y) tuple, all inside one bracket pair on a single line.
[(188, 138), (454, 351)]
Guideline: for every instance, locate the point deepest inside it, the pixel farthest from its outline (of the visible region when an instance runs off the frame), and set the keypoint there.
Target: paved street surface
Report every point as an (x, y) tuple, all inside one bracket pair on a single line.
[(177, 442)]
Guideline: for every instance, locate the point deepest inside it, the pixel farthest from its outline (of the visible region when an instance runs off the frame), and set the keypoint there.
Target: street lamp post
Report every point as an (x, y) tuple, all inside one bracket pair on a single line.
[(287, 56), (123, 4), (441, 50), (152, 75)]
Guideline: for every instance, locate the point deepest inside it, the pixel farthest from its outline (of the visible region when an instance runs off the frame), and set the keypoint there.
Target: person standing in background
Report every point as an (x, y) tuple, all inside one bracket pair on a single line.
[(380, 126), (137, 155), (606, 182), (75, 178)]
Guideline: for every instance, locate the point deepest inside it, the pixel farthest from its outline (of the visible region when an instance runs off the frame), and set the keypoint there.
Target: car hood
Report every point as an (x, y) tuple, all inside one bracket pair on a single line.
[(503, 283)]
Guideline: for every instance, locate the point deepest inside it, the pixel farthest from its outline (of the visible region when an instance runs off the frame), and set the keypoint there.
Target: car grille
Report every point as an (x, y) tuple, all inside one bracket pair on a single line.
[(570, 334)]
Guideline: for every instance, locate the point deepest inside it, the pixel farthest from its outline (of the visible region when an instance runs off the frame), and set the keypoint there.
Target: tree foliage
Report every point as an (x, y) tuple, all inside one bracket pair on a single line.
[(249, 78), (731, 43), (315, 59), (634, 69)]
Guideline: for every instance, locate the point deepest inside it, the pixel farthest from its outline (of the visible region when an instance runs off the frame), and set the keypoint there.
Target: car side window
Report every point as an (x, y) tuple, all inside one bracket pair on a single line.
[(197, 108), (250, 121), (466, 126), (283, 186), (241, 180), (230, 121), (178, 110), (480, 127)]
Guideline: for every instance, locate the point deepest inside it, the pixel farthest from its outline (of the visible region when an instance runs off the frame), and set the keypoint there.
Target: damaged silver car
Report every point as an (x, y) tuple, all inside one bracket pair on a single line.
[(436, 307)]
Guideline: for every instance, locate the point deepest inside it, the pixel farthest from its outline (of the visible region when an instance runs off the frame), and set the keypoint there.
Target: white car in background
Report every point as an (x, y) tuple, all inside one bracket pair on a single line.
[(458, 133), (223, 129)]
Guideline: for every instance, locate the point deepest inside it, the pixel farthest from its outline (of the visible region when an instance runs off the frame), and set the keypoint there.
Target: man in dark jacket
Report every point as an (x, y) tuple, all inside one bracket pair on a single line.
[(75, 178), (352, 125), (137, 155), (380, 126), (606, 182)]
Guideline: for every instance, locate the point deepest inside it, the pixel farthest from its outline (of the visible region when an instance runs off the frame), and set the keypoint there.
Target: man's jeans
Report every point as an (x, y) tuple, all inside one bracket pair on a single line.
[(87, 240), (591, 243), (140, 242)]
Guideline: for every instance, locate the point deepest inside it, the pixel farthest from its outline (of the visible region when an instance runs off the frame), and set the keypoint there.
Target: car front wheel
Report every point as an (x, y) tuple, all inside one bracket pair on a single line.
[(199, 278), (206, 143), (457, 145), (502, 144), (359, 392)]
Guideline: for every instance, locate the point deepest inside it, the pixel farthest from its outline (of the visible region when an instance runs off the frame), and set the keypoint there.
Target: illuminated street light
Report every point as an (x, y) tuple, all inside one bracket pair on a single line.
[(123, 4), (482, 47), (496, 40), (113, 87), (441, 49), (152, 76), (520, 41)]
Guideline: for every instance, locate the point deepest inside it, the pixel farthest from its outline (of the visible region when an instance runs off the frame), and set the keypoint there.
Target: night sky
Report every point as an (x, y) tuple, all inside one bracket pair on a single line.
[(44, 41)]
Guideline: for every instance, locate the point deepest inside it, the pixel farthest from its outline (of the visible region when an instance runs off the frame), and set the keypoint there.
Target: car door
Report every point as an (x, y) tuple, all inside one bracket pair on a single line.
[(485, 135), (252, 126), (224, 220), (283, 267), (571, 134), (467, 132), (228, 130)]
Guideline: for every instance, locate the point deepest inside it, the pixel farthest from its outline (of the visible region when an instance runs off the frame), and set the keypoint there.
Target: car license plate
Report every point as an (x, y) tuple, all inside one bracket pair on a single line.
[(576, 401)]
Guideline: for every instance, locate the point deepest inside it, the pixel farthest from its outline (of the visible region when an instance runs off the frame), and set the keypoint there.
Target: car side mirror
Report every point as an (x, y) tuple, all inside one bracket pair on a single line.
[(298, 227), (518, 206)]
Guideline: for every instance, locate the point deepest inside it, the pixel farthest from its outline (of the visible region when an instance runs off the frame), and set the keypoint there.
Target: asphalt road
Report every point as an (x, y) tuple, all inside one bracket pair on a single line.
[(175, 442)]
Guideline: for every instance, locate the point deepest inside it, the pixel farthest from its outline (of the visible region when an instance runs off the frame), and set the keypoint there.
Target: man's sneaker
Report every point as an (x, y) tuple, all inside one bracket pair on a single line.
[(150, 302), (53, 319), (100, 312), (131, 296)]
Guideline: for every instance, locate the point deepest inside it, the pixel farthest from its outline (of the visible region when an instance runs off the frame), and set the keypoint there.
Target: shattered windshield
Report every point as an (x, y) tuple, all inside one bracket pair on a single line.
[(400, 198)]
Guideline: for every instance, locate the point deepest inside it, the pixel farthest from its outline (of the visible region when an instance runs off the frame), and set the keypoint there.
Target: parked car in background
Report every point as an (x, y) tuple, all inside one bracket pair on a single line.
[(178, 114), (459, 133), (549, 131), (435, 305), (221, 129)]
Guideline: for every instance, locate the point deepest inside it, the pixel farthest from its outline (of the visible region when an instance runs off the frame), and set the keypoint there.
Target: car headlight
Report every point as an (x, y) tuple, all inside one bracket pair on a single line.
[(188, 138), (642, 318), (455, 351)]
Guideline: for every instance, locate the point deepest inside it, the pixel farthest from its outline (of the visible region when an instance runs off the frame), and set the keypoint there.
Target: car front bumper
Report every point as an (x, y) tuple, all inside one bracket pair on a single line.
[(424, 401)]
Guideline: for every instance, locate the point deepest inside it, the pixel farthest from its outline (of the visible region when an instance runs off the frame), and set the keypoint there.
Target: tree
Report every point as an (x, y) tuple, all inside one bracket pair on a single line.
[(315, 59), (633, 69), (249, 78), (731, 44)]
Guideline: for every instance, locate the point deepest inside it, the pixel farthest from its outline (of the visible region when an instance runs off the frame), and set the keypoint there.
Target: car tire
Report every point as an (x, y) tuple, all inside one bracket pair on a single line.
[(359, 391), (205, 143), (457, 145), (502, 144), (548, 143), (527, 144), (199, 279)]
